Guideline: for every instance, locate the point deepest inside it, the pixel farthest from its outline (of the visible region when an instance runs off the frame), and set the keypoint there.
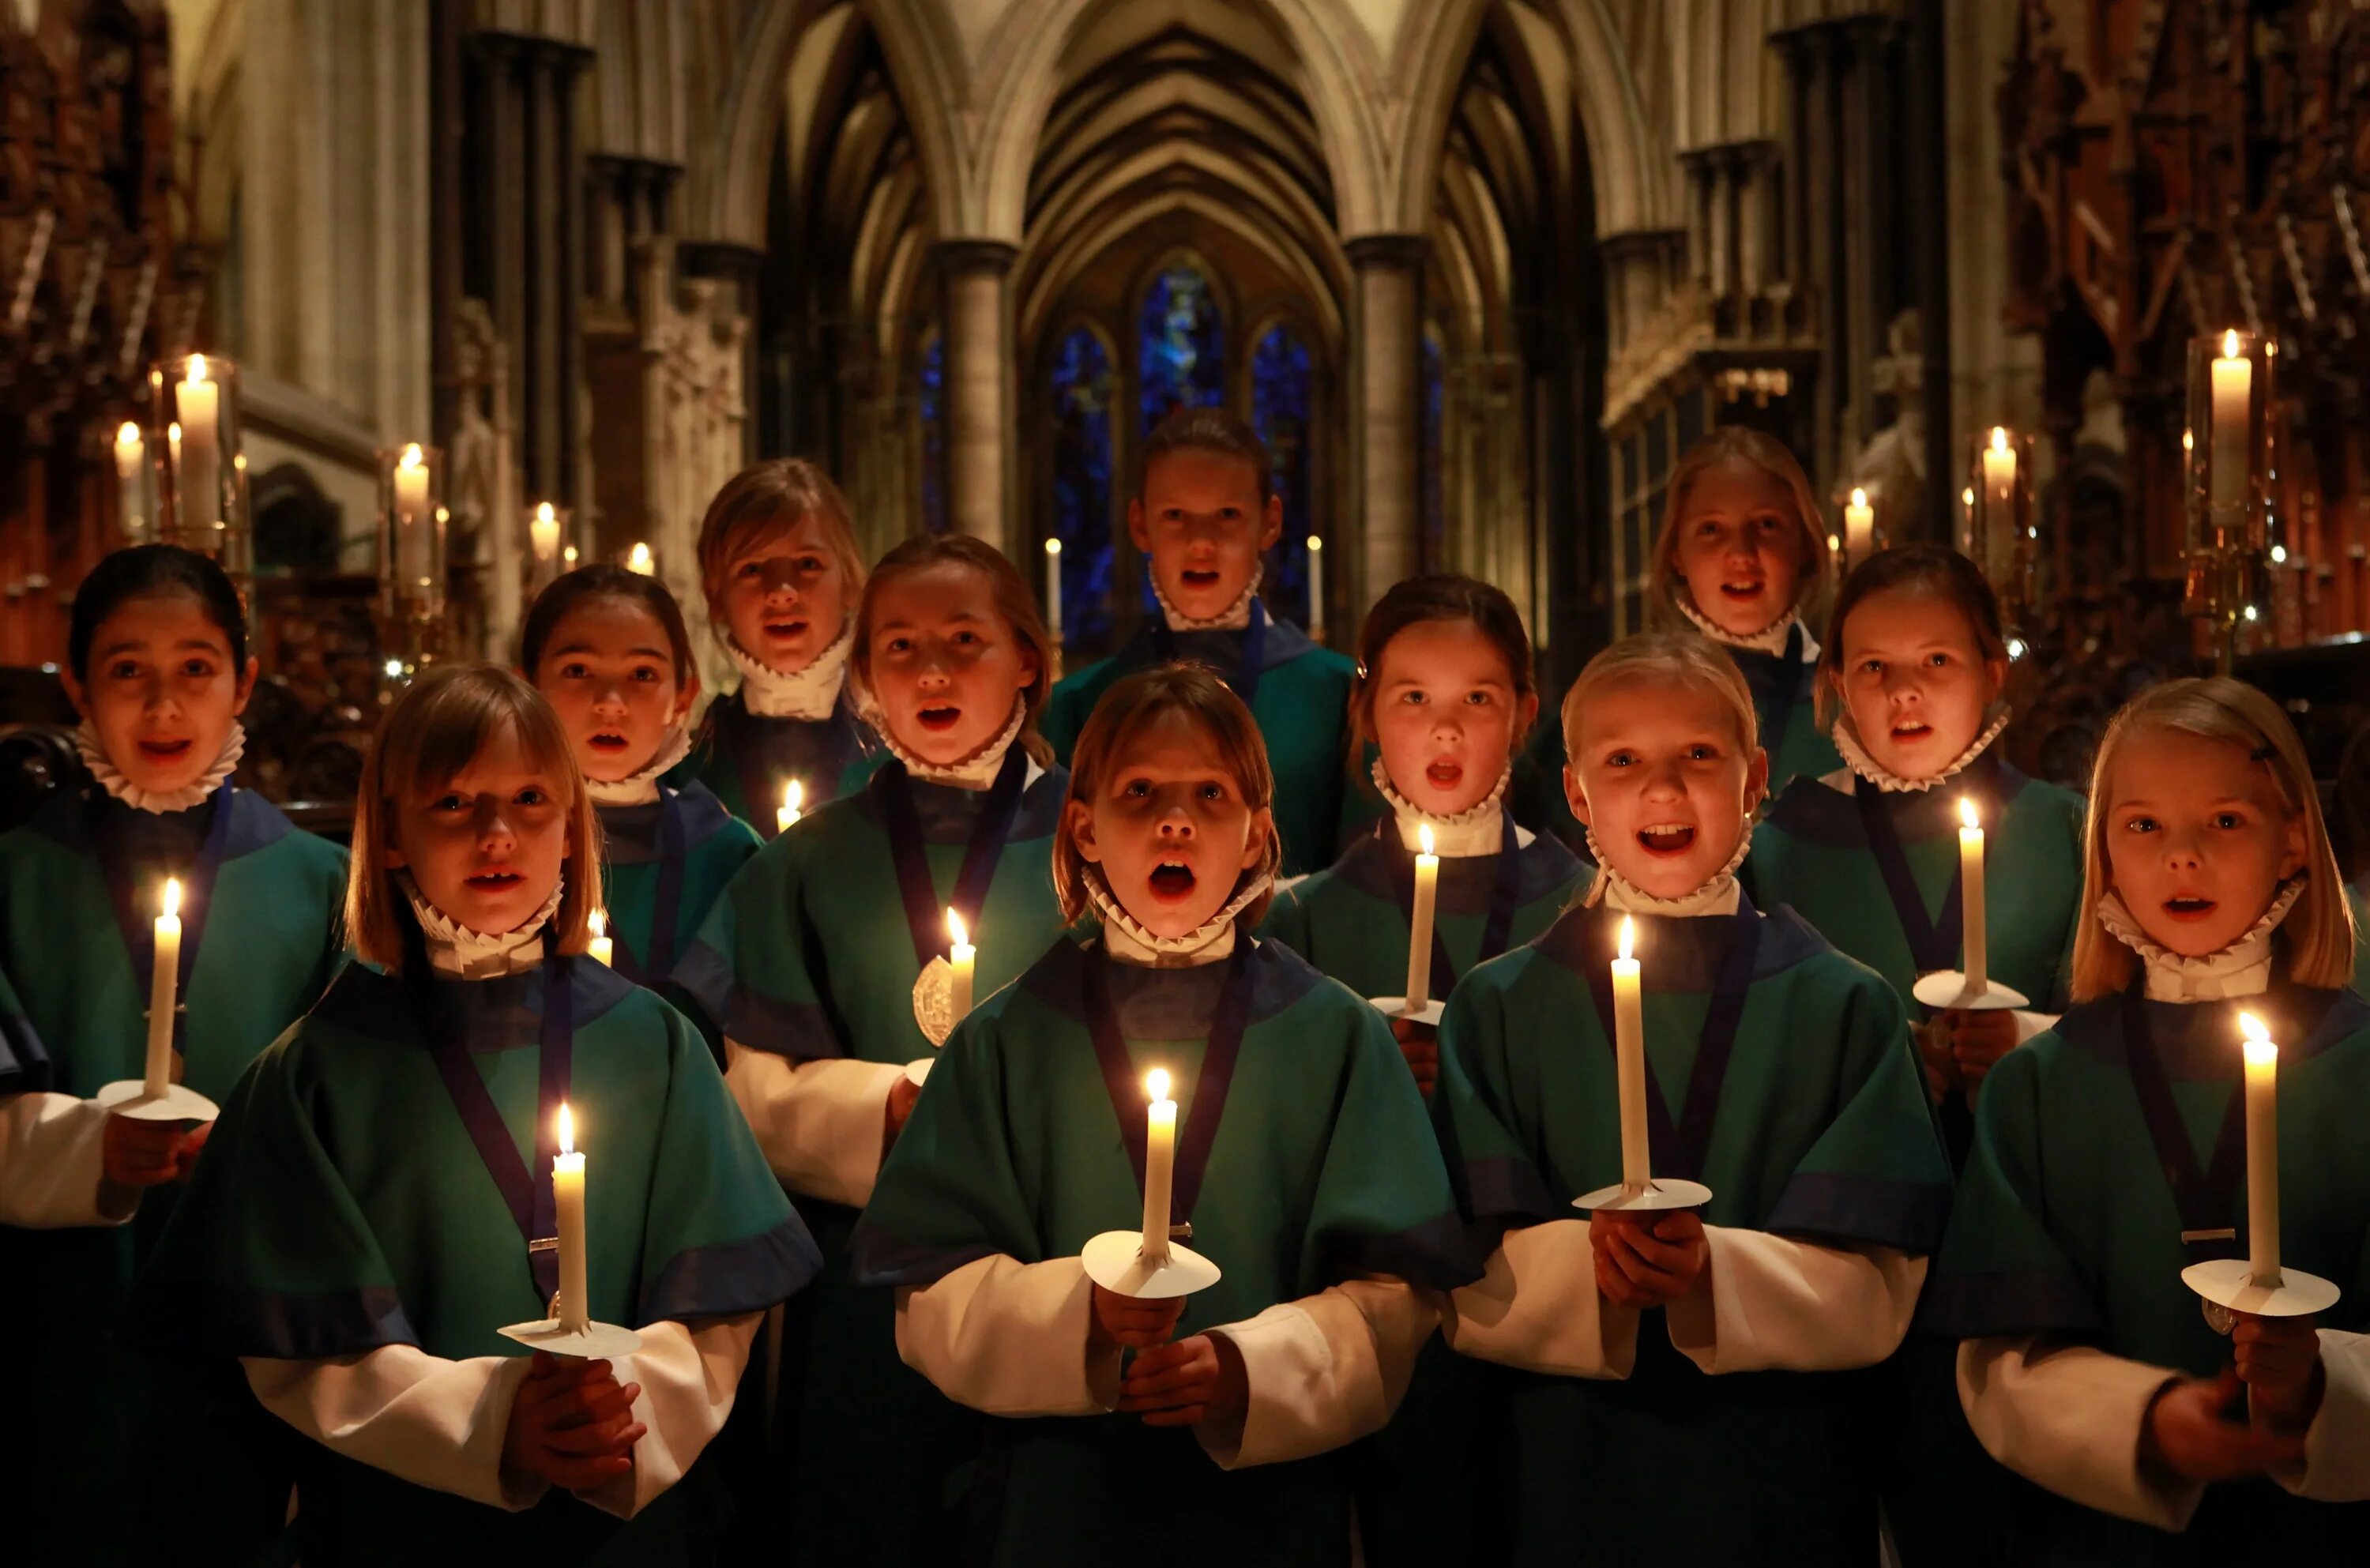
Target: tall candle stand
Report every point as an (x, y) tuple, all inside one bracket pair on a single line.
[(413, 526), (1997, 530), (2226, 471), (200, 463)]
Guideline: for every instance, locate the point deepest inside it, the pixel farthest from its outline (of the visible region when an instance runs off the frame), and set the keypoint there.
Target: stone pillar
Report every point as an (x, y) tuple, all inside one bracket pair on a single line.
[(1386, 364), (979, 427)]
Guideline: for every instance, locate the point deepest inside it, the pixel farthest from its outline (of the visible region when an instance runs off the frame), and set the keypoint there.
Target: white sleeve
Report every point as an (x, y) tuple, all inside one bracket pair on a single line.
[(1009, 1338), (820, 1123), (422, 1419), (2337, 1445), (2033, 1025), (1536, 1308), (2068, 1417), (52, 1164), (1767, 1303), (1322, 1371), (688, 1377)]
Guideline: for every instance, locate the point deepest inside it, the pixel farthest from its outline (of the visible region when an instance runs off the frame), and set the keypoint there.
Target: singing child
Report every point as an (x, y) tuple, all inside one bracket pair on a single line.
[(1205, 514), (779, 568), (608, 648), (1303, 1169), (1679, 1391), (827, 961), (375, 1204), (2111, 1153), (157, 665)]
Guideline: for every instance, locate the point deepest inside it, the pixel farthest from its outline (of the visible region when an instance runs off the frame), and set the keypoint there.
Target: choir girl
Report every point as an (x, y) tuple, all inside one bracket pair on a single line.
[(1205, 514), (1679, 1391), (827, 963), (1303, 1169), (2111, 1152), (158, 668), (781, 572)]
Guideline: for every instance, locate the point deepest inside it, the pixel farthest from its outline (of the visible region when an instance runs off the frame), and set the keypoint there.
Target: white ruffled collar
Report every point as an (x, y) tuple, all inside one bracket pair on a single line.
[(977, 771), (456, 950), (110, 777), (1856, 758), (1717, 896), (2242, 969), (640, 787), (1479, 829), (1127, 940), (808, 694), (1232, 619), (1770, 639)]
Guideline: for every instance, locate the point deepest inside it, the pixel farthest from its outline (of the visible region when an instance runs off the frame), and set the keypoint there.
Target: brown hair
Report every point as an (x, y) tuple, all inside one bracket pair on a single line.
[(1206, 429), (431, 734), (1437, 597), (2319, 933), (1666, 658), (1771, 456), (772, 497), (587, 584), (1006, 592), (1936, 571), (1195, 693)]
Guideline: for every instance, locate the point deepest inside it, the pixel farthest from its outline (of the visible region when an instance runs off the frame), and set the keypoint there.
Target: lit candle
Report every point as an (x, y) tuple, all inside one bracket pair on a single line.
[(542, 534), (1427, 883), (1316, 588), (1053, 590), (1977, 962), (602, 948), (130, 452), (1629, 1064), (964, 957), (568, 1201), (794, 794), (200, 453), (1859, 528), (126, 452), (163, 992), (639, 559), (2233, 391), (567, 557), (411, 516), (2262, 1153), (1159, 1161), (1999, 469)]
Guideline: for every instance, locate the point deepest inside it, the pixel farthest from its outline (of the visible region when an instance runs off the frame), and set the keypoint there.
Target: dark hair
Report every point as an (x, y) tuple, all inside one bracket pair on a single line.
[(150, 572), (1936, 569), (604, 581), (1206, 429), (1007, 591), (1436, 596)]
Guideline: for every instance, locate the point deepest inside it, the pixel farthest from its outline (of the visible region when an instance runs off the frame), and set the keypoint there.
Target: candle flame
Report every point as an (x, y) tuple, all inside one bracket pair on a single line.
[(2257, 1049), (794, 796), (2189, 441), (956, 931), (1967, 812), (2252, 1028), (566, 1130), (1833, 543), (639, 559), (173, 432), (197, 370), (1155, 1083), (542, 513), (172, 897), (1052, 546), (2231, 345), (129, 435), (599, 921), (411, 457), (1967, 496), (1859, 496), (569, 555), (1999, 438), (1629, 937), (1315, 542), (1423, 836)]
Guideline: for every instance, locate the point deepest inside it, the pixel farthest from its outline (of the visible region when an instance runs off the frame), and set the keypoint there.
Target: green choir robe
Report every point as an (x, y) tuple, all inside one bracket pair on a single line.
[(1819, 1131), (646, 860), (1784, 685), (807, 955), (744, 758), (1321, 1168), (89, 1411), (343, 1206), (2066, 1226), (1302, 704)]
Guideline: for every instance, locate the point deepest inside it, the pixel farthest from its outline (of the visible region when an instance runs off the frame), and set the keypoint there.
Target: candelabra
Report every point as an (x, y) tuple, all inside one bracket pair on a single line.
[(412, 552), (1996, 517), (2226, 474)]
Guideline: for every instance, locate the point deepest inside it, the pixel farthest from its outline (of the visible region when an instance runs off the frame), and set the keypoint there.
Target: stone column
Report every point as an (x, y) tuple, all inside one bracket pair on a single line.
[(979, 427), (1386, 362)]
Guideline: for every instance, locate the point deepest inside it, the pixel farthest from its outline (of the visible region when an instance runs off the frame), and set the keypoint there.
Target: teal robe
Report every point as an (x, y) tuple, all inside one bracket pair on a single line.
[(744, 758), (707, 848), (1820, 1130), (1319, 1167), (1784, 688), (2066, 1226), (343, 1207), (809, 955), (1302, 704), (90, 1413)]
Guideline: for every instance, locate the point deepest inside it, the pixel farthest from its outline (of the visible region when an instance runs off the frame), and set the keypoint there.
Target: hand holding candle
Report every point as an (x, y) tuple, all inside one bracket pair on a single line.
[(164, 993), (1629, 1064), (567, 1201), (1977, 962), (793, 795), (964, 957), (1160, 1165), (1427, 885), (2262, 1152), (602, 948)]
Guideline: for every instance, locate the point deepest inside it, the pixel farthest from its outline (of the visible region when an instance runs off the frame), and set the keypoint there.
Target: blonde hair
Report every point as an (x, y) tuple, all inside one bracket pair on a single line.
[(1666, 659), (430, 735), (1744, 444), (2319, 933), (767, 497), (1194, 693)]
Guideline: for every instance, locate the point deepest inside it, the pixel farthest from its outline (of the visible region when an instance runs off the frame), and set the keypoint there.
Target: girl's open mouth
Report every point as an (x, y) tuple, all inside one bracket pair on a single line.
[(1667, 837), (1200, 576), (607, 743), (1445, 773), (164, 751), (1172, 881), (1742, 592), (784, 630), (1911, 729), (938, 720), (2188, 907), (502, 878)]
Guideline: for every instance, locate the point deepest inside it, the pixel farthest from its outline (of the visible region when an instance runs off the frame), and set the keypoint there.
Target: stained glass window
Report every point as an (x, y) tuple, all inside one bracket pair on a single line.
[(1083, 386), (1283, 392), (1181, 358), (933, 434), (1435, 454)]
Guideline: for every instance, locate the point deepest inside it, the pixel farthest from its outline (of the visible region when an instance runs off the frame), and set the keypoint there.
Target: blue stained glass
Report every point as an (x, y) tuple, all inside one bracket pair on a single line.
[(1082, 488), (1435, 454), (1182, 355), (933, 434), (1282, 400)]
